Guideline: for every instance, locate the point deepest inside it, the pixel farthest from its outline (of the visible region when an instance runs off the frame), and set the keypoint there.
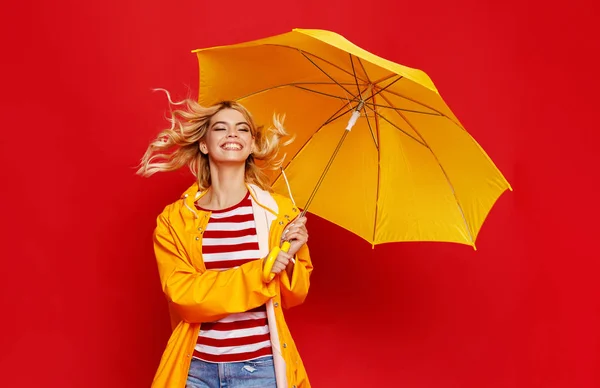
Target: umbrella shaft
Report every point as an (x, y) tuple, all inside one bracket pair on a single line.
[(320, 181)]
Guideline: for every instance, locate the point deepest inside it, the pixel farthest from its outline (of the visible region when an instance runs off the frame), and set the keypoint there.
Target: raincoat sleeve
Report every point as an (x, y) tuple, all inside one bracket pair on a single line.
[(294, 290), (209, 295)]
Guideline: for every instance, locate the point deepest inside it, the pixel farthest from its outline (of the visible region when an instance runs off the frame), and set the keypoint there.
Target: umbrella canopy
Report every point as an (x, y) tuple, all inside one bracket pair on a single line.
[(407, 171)]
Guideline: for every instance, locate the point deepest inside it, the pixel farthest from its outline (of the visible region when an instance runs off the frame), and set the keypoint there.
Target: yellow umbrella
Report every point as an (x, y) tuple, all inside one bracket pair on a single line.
[(407, 169)]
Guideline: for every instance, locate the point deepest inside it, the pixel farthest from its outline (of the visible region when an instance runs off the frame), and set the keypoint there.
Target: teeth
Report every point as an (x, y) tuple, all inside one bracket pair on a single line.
[(232, 147)]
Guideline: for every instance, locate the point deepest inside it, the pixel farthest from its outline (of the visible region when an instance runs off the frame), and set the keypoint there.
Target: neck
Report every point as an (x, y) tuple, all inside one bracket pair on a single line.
[(227, 186)]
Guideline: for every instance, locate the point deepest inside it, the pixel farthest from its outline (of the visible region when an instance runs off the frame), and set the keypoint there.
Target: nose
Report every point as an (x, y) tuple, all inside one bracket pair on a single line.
[(232, 133)]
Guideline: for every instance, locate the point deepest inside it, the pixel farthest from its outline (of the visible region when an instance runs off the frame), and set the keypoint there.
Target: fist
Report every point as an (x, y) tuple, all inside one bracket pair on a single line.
[(297, 234), (281, 262)]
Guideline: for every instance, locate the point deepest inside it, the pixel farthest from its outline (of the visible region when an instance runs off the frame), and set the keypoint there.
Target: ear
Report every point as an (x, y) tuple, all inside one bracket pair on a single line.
[(203, 147)]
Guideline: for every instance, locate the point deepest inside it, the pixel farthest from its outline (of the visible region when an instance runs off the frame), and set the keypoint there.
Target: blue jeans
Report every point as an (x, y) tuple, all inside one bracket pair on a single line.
[(258, 373)]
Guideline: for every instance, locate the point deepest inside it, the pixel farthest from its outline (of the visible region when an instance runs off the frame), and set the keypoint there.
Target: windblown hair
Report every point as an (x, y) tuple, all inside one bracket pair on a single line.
[(178, 145)]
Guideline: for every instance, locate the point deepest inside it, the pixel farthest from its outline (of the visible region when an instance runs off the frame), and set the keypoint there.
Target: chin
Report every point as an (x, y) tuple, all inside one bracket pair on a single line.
[(232, 160)]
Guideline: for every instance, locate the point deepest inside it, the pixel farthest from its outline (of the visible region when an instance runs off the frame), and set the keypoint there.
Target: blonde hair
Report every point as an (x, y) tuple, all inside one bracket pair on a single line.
[(178, 145)]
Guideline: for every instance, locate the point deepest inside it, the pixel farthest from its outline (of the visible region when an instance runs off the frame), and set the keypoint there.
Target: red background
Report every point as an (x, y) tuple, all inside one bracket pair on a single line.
[(81, 301)]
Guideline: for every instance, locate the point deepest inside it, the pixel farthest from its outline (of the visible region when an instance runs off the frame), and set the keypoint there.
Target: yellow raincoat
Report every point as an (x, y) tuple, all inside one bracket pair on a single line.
[(196, 295)]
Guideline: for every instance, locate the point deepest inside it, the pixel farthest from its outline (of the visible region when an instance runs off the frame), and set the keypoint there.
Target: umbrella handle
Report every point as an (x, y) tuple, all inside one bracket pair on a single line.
[(267, 275)]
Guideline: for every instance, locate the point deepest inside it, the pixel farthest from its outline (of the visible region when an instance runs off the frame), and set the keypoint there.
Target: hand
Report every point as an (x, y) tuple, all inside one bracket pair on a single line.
[(281, 262), (296, 234)]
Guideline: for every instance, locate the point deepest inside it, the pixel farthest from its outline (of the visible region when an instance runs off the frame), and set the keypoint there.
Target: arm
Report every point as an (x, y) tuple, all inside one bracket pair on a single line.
[(294, 288), (210, 295)]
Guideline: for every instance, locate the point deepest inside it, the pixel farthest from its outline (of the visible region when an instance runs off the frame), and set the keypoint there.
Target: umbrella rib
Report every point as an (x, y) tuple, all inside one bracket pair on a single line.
[(293, 84), (384, 79), (405, 110), (364, 69), (299, 85), (361, 99), (323, 71), (329, 120), (381, 90), (333, 118), (313, 55), (426, 106), (323, 93), (416, 102), (460, 208), (355, 78), (379, 115), (375, 140)]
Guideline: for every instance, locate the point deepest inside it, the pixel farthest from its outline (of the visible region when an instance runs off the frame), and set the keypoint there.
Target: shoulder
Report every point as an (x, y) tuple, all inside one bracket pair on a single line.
[(167, 214), (169, 209), (181, 211)]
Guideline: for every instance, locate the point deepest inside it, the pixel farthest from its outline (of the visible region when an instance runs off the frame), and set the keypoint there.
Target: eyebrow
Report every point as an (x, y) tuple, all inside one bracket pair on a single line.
[(236, 124)]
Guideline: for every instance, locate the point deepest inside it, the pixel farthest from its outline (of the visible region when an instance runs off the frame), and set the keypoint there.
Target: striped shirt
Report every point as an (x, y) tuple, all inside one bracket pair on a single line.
[(229, 241)]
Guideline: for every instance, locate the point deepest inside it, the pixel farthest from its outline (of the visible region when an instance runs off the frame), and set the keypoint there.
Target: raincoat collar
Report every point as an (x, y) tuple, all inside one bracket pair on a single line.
[(262, 197)]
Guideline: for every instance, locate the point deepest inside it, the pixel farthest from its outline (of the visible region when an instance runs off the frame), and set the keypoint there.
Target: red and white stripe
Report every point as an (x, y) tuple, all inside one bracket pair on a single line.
[(229, 241)]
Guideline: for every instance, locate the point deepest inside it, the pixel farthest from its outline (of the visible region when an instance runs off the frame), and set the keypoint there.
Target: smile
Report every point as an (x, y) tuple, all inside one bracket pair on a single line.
[(232, 146)]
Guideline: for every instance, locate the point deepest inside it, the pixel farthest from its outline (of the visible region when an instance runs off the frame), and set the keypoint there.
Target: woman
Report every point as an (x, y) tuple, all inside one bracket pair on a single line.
[(228, 324)]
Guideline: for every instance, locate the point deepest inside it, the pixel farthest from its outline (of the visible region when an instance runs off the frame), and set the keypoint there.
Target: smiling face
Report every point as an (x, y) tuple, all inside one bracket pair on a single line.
[(228, 139)]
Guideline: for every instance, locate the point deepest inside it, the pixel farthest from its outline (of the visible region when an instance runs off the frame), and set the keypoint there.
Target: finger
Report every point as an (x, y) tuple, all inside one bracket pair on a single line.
[(295, 233), (277, 268), (298, 228), (301, 221), (286, 233), (283, 254), (283, 259), (289, 234), (298, 236), (289, 229)]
